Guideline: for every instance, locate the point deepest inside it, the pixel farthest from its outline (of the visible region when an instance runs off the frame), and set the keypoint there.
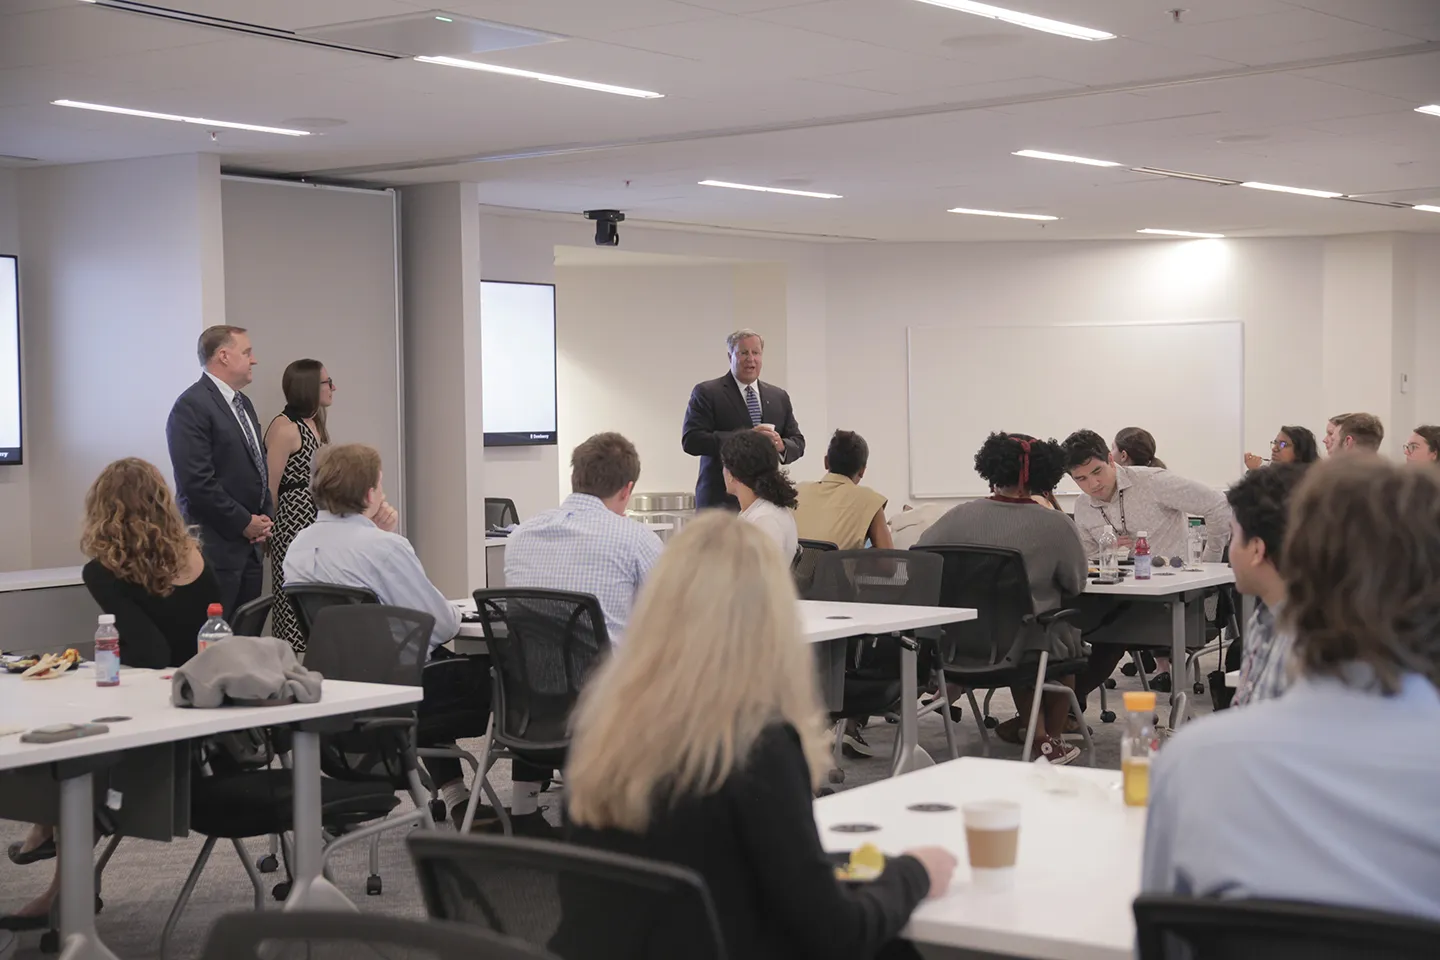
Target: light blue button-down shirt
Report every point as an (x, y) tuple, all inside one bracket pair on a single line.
[(350, 551), (582, 547), (1327, 794)]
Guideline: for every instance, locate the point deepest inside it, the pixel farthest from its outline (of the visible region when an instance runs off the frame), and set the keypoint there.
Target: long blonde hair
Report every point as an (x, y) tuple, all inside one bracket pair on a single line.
[(712, 655), (134, 528)]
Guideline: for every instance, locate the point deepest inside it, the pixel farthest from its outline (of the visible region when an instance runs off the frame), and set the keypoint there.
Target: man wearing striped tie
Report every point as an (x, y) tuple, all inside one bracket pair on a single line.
[(740, 400), (218, 453)]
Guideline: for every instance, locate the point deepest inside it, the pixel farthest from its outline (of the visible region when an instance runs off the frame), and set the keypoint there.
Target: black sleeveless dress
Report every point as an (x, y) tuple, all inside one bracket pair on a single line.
[(294, 512)]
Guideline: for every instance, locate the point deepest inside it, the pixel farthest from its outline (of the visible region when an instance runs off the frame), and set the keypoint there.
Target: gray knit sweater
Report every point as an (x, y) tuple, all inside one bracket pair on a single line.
[(1047, 539)]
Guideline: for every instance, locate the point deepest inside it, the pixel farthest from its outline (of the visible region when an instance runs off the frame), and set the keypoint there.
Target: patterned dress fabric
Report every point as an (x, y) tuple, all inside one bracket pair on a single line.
[(294, 512)]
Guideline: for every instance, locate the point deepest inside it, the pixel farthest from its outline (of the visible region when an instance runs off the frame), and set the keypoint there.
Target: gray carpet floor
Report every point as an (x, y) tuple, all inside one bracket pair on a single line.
[(144, 878)]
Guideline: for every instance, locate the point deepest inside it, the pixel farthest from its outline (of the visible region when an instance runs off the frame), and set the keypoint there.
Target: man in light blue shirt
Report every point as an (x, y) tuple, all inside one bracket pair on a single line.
[(587, 544), (1326, 794)]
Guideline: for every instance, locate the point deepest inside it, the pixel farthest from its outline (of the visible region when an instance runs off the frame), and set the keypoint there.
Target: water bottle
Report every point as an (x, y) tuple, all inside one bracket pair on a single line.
[(107, 652), (215, 629), (1195, 544), (1143, 563), (1138, 747), (1109, 555)]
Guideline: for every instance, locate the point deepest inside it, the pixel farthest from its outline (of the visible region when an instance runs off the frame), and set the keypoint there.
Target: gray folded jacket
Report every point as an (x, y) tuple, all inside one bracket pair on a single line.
[(244, 671)]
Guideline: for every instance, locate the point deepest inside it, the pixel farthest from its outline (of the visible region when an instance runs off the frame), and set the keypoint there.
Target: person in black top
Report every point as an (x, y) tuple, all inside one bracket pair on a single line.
[(146, 569), (700, 743)]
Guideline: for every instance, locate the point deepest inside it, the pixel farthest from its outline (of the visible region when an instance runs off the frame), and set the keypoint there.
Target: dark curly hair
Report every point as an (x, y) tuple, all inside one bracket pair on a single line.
[(1001, 462), (1260, 501), (1082, 446), (1303, 443), (753, 460)]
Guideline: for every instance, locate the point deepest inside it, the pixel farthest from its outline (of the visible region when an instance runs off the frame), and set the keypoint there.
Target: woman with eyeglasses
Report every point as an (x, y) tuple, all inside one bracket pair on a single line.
[(1291, 445), (291, 442), (1423, 445)]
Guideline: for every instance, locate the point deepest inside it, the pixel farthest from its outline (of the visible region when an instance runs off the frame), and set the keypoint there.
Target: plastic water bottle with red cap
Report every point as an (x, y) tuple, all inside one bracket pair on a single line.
[(215, 629), (1143, 563)]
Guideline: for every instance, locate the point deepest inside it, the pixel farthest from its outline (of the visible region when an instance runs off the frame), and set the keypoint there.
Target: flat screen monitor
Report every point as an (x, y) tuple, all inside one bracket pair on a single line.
[(11, 449), (517, 344)]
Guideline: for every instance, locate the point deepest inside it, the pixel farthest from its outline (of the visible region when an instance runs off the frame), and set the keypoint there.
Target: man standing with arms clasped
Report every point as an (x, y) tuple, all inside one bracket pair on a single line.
[(738, 401), (219, 460)]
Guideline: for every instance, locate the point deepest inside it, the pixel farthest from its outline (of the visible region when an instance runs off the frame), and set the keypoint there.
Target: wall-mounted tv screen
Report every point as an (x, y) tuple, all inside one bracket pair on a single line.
[(10, 446), (517, 345)]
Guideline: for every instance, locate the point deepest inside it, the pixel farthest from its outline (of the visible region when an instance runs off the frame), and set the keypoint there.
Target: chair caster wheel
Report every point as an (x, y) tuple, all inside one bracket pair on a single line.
[(372, 886), (1110, 681), (50, 942), (438, 813), (267, 863), (836, 776), (991, 723), (1128, 669), (280, 891), (1199, 689), (1107, 716)]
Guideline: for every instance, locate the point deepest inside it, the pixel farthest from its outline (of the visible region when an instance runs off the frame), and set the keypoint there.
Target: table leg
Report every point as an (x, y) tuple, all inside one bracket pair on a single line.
[(910, 756), (310, 890), (1179, 684), (77, 872)]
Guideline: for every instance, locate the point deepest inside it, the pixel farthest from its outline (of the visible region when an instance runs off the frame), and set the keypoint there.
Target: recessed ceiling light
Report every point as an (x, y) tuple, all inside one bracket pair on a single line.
[(542, 77), (1433, 109), (997, 213), (200, 121), (792, 193), (1023, 19), (1426, 208), (1182, 233), (1065, 158), (1302, 191), (1182, 175)]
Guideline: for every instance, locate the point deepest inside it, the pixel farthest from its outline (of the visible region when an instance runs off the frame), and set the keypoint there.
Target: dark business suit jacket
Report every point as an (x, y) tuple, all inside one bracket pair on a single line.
[(216, 482), (716, 410)]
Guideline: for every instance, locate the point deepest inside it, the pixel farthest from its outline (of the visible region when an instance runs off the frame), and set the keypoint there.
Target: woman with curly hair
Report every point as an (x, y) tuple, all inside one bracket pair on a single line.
[(1018, 467), (145, 565), (767, 497)]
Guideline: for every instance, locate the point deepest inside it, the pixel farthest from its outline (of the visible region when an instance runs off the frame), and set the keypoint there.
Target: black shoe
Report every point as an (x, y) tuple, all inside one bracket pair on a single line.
[(45, 851), (1160, 682), (855, 746), (21, 924), (533, 825)]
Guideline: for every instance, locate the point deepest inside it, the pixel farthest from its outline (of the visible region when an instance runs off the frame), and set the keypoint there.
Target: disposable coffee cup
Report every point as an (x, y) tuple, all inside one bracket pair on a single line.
[(992, 837), (768, 426)]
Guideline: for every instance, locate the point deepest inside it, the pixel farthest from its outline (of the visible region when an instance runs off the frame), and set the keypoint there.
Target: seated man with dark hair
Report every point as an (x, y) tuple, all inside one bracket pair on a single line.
[(1359, 433), (1326, 794), (836, 508), (1261, 503)]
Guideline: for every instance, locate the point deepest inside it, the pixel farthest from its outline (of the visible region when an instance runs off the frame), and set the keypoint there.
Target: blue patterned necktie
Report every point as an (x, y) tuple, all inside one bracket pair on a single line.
[(250, 443), (752, 400)]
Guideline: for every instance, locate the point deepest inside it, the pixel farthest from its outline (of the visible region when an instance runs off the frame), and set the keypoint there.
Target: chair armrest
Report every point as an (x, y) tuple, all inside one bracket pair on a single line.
[(1068, 613)]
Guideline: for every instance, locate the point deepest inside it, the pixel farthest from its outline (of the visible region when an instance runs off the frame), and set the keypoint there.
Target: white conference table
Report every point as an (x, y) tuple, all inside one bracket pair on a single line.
[(821, 622), (144, 697), (1176, 588), (1077, 872)]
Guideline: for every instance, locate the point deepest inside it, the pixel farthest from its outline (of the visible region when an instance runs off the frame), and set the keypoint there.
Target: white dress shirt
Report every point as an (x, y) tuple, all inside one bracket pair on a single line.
[(756, 385), (229, 393)]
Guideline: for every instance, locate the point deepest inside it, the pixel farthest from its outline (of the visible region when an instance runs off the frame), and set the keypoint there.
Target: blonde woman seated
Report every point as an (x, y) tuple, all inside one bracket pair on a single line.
[(717, 775), (767, 497)]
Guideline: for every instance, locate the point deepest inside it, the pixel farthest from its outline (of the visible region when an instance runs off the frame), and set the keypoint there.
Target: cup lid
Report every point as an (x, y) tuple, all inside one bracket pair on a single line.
[(1142, 534), (1140, 700)]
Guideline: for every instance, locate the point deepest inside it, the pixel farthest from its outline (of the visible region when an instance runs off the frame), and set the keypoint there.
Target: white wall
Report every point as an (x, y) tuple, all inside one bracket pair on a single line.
[(14, 478), (122, 270), (1425, 307)]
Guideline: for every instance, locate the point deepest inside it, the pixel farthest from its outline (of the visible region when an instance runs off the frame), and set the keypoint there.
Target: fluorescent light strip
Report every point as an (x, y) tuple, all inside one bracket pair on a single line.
[(1433, 109), (1427, 208), (1182, 175), (1182, 233), (1065, 158), (1302, 191), (199, 121), (1023, 19), (792, 193), (542, 77), (997, 213)]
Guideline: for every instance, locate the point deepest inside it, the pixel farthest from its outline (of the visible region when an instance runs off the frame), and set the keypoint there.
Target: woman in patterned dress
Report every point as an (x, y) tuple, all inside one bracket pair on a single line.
[(292, 440)]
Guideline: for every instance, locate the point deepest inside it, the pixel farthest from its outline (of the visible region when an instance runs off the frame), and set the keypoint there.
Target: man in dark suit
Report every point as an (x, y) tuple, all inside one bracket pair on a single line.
[(740, 400), (219, 459)]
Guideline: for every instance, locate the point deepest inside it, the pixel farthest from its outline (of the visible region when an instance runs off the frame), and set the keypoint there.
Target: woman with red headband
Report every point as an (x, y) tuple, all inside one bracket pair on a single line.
[(1019, 469)]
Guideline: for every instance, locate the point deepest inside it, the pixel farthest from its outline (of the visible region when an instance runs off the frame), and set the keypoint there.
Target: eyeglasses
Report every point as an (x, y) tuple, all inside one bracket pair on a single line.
[(1279, 444), (1177, 562), (328, 382)]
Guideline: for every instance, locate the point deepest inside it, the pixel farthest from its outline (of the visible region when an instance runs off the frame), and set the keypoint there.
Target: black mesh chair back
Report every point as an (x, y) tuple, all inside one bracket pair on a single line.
[(1188, 928), (877, 576), (309, 599), (993, 581), (356, 936), (580, 903), (802, 568), (371, 643), (543, 645), (500, 512), (249, 619)]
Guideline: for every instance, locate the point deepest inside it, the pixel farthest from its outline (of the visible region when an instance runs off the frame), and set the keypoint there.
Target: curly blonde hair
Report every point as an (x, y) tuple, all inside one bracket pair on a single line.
[(134, 528)]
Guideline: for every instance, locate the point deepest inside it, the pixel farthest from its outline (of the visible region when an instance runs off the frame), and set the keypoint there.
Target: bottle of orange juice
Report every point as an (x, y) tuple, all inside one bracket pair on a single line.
[(1138, 747)]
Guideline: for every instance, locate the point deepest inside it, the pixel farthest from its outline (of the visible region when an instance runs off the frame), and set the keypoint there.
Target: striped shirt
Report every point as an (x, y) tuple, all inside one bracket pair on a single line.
[(1159, 503), (1264, 672), (582, 547)]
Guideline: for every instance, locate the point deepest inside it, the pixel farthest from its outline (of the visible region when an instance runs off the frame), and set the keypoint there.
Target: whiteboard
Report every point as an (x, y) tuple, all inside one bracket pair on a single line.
[(1184, 382)]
